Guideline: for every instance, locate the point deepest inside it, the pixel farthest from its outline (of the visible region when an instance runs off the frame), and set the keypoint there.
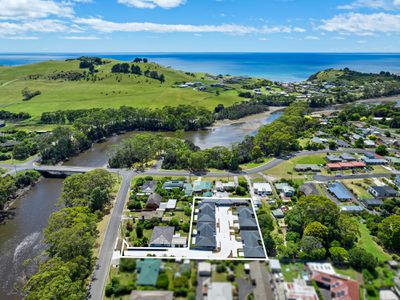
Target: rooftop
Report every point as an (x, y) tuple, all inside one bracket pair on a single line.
[(162, 235)]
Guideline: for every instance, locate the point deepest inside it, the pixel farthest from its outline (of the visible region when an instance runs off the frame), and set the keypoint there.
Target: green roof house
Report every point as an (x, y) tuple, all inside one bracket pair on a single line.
[(202, 186), (148, 270)]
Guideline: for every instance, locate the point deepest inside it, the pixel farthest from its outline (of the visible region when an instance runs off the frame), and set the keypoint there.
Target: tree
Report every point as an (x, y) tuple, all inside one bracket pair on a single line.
[(359, 143), (197, 161), (256, 153), (54, 280), (382, 150), (348, 231), (163, 281), (139, 232), (311, 248), (360, 259), (339, 255), (127, 265), (317, 230), (389, 232)]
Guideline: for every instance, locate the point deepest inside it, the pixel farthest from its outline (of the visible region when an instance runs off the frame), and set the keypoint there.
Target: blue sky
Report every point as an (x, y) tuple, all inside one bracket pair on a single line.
[(199, 26)]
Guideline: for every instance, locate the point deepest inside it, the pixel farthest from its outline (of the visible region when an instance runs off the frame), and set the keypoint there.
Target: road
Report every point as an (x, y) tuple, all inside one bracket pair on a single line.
[(101, 271), (106, 251)]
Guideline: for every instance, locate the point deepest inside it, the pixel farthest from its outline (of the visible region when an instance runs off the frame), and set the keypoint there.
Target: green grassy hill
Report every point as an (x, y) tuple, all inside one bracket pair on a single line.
[(109, 90)]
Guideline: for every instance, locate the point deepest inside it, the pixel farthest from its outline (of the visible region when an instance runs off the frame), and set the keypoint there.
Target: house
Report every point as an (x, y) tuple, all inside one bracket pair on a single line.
[(151, 295), (278, 213), (346, 166), (262, 188), (342, 144), (188, 189), (351, 209), (374, 161), (285, 189), (299, 290), (347, 157), (275, 266), (309, 188), (149, 187), (200, 187), (393, 160), (205, 227), (220, 291), (171, 204), (252, 244), (204, 269), (307, 167), (340, 287), (148, 270), (369, 144), (340, 191), (174, 184), (384, 191), (319, 141), (153, 202), (162, 236), (333, 158), (247, 220), (371, 203)]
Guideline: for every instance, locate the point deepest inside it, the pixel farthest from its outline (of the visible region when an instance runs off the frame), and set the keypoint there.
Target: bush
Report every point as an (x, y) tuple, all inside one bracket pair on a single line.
[(163, 281), (109, 290), (127, 265), (4, 156)]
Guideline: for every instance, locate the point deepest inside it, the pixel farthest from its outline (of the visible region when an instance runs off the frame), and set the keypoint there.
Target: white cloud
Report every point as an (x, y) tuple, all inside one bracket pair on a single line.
[(23, 38), (82, 38), (109, 27), (153, 3), (311, 37), (372, 4), (10, 29), (362, 24), (33, 9)]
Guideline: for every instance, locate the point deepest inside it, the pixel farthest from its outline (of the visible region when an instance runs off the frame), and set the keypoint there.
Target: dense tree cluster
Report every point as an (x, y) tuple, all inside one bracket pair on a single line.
[(61, 144), (67, 76), (10, 116), (89, 62), (281, 135), (9, 185), (92, 189), (239, 110), (316, 229), (70, 237)]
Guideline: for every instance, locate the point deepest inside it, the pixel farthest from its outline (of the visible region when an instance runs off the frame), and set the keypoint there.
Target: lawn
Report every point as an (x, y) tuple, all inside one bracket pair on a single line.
[(287, 167), (366, 242), (292, 271), (252, 165), (110, 91), (359, 191)]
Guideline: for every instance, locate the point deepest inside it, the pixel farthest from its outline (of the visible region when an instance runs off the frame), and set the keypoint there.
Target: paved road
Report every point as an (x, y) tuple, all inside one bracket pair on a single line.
[(101, 271), (263, 288), (353, 176)]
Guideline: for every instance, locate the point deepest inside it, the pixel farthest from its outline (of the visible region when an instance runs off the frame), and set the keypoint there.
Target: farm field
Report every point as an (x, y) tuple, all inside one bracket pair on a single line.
[(110, 90)]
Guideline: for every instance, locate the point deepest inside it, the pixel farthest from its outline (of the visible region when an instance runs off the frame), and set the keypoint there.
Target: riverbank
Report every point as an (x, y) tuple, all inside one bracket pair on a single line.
[(251, 119)]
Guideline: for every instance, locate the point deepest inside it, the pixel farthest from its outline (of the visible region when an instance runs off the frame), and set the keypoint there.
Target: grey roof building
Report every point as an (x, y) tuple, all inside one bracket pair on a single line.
[(162, 236), (252, 245), (149, 187), (205, 237), (151, 295), (384, 191), (153, 202), (247, 219), (309, 188)]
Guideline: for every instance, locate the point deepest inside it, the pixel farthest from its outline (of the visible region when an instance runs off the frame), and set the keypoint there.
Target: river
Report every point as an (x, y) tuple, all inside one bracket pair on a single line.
[(222, 134), (21, 238)]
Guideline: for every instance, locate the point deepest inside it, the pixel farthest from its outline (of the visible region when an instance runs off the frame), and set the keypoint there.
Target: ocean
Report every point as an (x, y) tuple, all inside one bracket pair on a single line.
[(273, 66)]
